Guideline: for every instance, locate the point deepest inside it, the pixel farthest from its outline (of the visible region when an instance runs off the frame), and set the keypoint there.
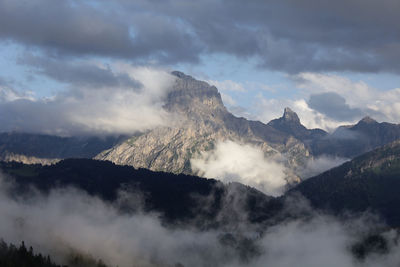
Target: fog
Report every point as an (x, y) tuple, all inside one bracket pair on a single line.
[(317, 165), (68, 220), (130, 100), (234, 162)]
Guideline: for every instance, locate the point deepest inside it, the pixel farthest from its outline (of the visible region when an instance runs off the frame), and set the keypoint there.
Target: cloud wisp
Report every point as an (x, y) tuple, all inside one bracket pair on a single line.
[(315, 166), (67, 220), (99, 100), (234, 162)]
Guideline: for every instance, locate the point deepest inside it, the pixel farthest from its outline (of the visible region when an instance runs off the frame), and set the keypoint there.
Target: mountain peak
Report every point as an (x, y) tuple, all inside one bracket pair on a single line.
[(193, 97), (290, 115), (290, 123), (181, 75), (367, 120)]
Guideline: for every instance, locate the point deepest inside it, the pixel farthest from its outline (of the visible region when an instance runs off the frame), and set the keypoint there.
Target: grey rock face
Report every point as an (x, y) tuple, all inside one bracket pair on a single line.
[(290, 116), (290, 124), (203, 121)]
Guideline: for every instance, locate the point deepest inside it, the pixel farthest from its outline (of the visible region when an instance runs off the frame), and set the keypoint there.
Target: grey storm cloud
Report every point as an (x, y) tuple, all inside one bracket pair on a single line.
[(334, 106), (80, 28), (290, 36), (79, 73)]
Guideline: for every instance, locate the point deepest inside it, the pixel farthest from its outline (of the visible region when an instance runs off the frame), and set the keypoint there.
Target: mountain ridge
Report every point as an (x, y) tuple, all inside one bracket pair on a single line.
[(202, 122), (368, 182), (352, 140), (290, 123), (205, 121)]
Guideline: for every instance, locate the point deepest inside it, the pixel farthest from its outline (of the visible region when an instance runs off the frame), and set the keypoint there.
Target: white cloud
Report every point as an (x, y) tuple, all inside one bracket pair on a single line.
[(247, 164), (8, 94), (89, 110), (67, 220), (319, 242), (315, 166), (269, 109), (314, 119), (228, 100), (381, 105), (227, 85)]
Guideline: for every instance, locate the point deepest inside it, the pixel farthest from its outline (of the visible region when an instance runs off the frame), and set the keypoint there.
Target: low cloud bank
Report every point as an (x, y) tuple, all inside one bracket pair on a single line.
[(315, 166), (243, 163), (69, 220), (131, 100)]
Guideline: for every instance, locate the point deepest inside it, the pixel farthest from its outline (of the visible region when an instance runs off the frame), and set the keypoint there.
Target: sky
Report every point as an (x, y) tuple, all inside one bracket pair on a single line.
[(79, 67), (332, 62)]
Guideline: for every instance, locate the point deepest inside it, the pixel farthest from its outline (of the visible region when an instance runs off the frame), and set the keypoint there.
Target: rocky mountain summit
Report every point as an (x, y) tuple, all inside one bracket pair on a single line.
[(203, 121), (290, 123)]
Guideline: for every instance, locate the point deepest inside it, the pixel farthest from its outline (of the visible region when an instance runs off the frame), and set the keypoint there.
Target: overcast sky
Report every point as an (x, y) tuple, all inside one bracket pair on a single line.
[(333, 62)]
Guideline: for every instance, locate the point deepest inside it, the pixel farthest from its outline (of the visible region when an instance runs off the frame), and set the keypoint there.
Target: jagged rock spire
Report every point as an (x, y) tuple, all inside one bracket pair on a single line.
[(367, 119), (290, 115)]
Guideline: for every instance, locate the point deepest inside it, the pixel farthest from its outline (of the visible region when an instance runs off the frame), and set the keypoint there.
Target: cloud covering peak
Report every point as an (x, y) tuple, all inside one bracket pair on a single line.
[(123, 100), (234, 162)]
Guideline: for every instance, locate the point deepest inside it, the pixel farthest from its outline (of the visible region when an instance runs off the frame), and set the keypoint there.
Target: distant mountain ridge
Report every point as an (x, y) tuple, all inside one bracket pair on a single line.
[(178, 198), (368, 182), (202, 122), (47, 149), (290, 123), (353, 140), (346, 141)]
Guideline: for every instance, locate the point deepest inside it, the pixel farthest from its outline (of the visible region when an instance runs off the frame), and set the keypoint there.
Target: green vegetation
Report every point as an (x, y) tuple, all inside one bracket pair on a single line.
[(370, 182), (79, 260), (25, 170), (11, 256)]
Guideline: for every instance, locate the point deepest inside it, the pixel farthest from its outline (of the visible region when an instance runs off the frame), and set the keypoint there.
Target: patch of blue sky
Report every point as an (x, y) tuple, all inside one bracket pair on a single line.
[(21, 77), (268, 84), (256, 81), (381, 81)]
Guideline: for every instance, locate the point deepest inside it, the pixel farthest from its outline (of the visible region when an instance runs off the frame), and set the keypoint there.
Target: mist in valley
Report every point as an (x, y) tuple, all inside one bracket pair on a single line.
[(68, 221)]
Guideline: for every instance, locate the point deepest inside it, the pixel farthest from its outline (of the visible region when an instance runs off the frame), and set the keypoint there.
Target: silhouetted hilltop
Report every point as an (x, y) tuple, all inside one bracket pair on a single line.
[(369, 182), (178, 198)]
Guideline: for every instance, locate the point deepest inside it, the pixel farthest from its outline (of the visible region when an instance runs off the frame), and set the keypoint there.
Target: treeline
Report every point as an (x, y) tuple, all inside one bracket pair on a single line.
[(12, 256), (178, 198)]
